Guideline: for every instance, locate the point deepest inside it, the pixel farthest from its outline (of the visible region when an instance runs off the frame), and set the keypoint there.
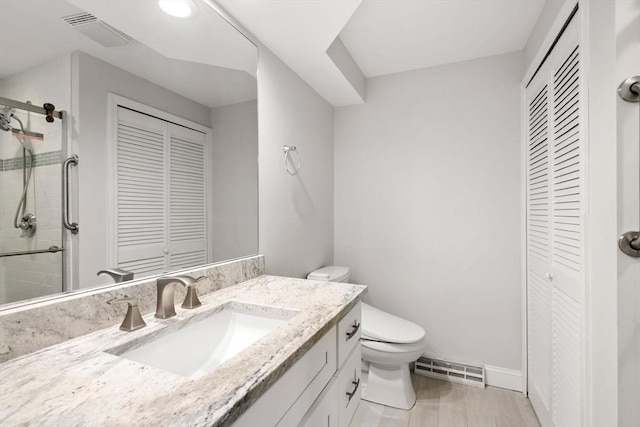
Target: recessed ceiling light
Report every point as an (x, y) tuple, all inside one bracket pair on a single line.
[(178, 8)]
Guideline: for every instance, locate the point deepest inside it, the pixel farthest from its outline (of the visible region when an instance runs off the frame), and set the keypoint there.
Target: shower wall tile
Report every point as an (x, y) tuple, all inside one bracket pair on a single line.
[(31, 276), (39, 160), (30, 328)]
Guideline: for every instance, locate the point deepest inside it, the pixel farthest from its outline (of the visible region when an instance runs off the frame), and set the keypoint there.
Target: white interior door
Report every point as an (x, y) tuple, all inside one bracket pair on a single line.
[(141, 181), (538, 247), (161, 194), (187, 198), (555, 234)]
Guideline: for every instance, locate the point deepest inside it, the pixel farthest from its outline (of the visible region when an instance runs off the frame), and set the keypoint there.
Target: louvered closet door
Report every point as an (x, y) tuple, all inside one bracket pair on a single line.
[(555, 235), (567, 256), (187, 198), (538, 247), (140, 192), (160, 196)]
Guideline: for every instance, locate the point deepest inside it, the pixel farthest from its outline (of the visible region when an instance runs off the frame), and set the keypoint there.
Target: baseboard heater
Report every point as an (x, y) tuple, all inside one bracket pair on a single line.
[(451, 371)]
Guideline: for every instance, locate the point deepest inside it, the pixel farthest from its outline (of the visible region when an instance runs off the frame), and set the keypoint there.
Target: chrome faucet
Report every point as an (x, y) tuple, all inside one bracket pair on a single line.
[(165, 306)]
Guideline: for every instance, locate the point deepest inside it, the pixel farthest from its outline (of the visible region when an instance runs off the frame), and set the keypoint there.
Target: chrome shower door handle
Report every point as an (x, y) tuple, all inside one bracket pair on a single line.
[(72, 226)]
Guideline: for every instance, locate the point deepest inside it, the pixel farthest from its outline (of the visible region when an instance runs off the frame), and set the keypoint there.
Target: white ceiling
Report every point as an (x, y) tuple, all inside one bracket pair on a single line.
[(300, 32), (383, 36), (204, 59), (387, 37)]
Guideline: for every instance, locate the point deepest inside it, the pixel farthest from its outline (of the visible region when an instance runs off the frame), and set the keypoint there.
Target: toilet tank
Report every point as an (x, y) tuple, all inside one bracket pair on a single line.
[(332, 273)]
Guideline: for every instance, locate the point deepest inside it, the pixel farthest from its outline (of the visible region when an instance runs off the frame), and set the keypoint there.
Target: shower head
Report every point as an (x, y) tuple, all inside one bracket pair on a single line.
[(5, 118), (24, 136)]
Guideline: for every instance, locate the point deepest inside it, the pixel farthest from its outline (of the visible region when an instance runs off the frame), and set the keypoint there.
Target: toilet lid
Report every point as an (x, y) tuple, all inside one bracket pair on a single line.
[(383, 326), (332, 273)]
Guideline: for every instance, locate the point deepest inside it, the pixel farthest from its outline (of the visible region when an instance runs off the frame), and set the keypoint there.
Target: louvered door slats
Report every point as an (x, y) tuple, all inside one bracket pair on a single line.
[(567, 168), (140, 190), (538, 333), (161, 194), (538, 182), (566, 371), (555, 235), (187, 199)]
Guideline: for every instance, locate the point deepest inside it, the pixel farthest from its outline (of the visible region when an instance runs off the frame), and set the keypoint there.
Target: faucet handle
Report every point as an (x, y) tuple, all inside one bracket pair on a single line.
[(118, 274), (132, 320), (191, 300)]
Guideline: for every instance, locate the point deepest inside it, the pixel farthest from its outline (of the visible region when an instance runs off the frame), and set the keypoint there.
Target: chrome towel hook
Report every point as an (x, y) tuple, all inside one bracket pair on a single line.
[(629, 90), (288, 158)]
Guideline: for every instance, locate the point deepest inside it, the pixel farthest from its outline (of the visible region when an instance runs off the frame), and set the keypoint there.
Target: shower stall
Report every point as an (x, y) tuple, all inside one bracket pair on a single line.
[(32, 141)]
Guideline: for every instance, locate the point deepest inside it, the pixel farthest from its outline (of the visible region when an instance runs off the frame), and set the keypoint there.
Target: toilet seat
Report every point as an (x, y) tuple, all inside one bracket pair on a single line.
[(389, 344), (381, 326), (386, 347)]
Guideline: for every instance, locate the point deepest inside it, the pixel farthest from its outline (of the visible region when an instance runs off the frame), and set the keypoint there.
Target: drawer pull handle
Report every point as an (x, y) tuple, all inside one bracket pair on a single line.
[(353, 393), (355, 327)]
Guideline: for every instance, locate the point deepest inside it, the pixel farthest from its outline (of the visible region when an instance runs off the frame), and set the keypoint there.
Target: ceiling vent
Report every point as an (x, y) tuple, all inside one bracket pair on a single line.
[(97, 30)]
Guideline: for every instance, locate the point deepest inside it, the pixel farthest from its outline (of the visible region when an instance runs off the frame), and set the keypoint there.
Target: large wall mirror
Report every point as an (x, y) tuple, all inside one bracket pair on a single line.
[(161, 113)]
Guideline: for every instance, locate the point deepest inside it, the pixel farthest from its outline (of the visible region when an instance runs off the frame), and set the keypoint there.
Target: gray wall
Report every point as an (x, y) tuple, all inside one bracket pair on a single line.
[(428, 204), (627, 16), (95, 80), (296, 212), (235, 180)]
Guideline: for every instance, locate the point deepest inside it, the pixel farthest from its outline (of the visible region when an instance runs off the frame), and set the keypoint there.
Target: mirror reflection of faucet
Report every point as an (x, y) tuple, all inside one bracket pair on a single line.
[(119, 275)]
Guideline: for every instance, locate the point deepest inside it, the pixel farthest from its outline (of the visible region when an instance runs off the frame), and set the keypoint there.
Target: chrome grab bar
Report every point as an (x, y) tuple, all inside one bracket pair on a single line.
[(52, 249), (72, 226), (629, 90)]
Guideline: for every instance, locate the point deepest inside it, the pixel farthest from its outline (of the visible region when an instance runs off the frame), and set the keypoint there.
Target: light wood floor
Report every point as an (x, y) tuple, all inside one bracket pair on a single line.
[(445, 404)]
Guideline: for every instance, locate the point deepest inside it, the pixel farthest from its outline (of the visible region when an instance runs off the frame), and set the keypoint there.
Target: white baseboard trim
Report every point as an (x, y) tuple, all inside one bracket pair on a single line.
[(504, 378)]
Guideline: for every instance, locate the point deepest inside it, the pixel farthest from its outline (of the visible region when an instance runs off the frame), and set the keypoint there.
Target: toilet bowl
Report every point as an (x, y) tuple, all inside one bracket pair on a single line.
[(389, 344)]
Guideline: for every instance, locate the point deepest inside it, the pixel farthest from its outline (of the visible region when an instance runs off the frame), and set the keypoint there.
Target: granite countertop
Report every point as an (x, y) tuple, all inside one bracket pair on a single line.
[(78, 383)]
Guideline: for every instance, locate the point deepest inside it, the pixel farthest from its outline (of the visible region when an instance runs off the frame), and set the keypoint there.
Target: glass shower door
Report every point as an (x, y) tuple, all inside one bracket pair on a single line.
[(30, 198)]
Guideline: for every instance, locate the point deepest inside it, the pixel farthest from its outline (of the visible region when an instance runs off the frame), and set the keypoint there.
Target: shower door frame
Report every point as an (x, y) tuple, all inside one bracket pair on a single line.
[(65, 283)]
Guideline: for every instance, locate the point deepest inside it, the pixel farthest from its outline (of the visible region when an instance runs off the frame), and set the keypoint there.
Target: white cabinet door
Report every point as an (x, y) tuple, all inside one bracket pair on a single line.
[(555, 234), (350, 387), (325, 411)]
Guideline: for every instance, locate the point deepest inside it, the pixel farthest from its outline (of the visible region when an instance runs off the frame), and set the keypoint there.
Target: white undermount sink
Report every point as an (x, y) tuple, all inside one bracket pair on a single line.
[(205, 343)]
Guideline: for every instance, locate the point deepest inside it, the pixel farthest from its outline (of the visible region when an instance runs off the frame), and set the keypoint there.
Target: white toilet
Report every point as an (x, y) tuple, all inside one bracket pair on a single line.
[(389, 344)]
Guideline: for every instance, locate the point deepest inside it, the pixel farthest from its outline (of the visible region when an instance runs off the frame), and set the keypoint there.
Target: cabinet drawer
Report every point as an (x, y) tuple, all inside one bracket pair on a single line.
[(349, 387), (324, 412), (286, 402), (348, 333)]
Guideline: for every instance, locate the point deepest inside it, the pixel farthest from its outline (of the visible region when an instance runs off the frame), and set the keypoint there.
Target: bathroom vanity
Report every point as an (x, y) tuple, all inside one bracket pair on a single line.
[(306, 368)]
